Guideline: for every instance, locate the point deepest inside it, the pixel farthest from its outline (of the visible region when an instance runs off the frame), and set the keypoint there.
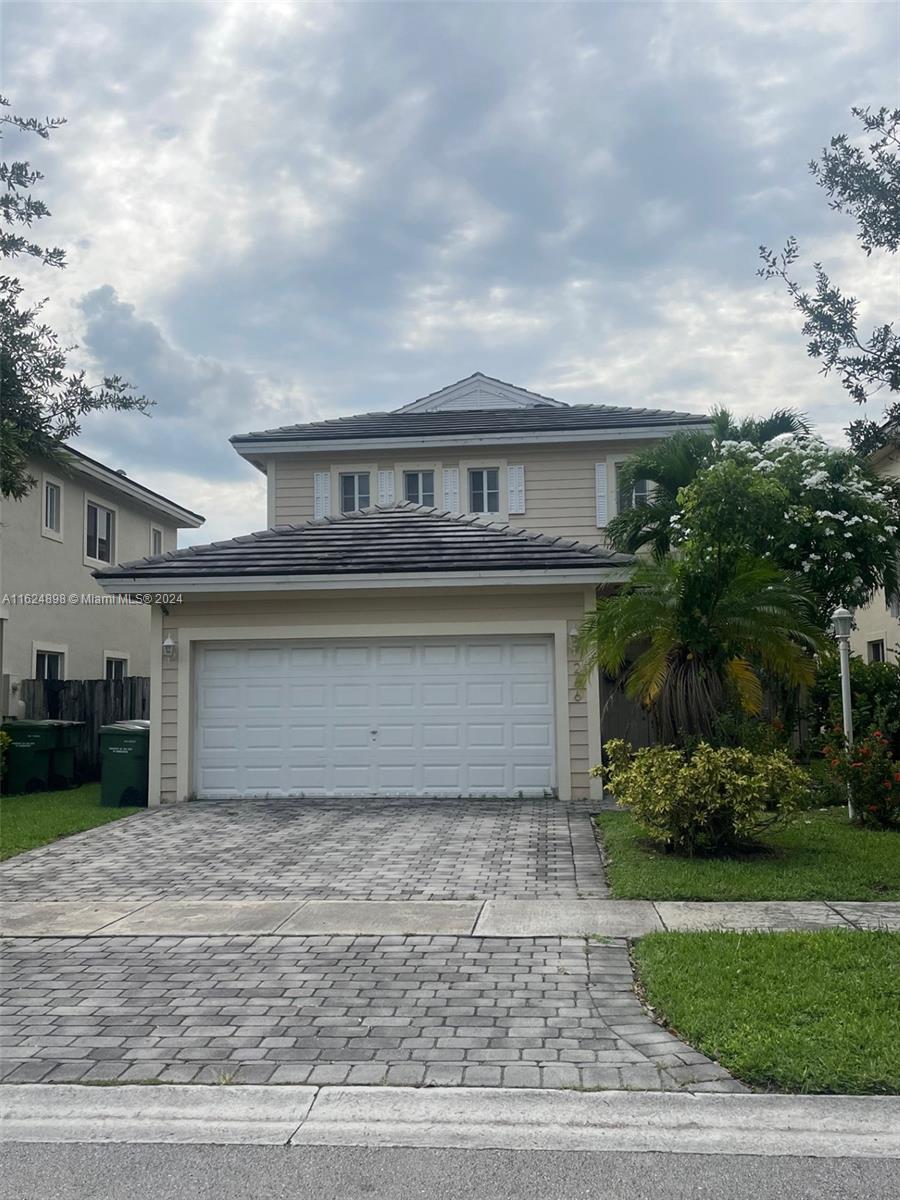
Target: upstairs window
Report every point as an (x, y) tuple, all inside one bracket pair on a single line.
[(156, 540), (875, 651), (100, 533), (418, 487), (52, 517), (354, 491), (116, 668), (484, 490), (49, 664), (635, 496)]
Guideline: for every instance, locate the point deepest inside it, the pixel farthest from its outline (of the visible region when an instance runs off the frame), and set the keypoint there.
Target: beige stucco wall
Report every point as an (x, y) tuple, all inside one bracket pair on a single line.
[(560, 493), (876, 622), (426, 612), (34, 564)]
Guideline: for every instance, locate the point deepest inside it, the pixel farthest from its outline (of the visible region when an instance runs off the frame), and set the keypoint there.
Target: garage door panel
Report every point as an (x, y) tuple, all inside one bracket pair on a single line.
[(485, 695), (410, 717), (351, 736)]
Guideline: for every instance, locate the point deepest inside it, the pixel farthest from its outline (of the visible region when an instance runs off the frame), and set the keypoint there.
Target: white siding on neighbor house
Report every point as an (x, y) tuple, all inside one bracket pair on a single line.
[(426, 611), (557, 484), (879, 621)]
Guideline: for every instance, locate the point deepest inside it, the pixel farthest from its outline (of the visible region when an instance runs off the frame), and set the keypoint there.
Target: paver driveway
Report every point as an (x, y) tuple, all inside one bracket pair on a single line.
[(334, 849), (513, 1012)]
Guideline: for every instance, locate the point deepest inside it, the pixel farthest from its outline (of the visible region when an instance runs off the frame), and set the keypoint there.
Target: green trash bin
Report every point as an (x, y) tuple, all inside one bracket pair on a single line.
[(28, 756), (124, 763), (69, 735)]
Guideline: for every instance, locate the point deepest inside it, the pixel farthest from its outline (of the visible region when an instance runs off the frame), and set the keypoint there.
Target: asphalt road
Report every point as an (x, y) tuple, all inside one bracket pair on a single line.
[(158, 1172)]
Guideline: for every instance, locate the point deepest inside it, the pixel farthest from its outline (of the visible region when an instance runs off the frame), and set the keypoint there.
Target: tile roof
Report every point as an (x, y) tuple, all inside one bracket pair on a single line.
[(379, 540), (465, 422)]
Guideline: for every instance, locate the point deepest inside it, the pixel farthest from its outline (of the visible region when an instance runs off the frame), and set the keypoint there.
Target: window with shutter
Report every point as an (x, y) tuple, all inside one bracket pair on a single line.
[(451, 489), (515, 477), (602, 498), (321, 494)]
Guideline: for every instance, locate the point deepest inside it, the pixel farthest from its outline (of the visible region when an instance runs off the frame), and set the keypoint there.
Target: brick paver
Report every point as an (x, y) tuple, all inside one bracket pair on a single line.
[(335, 849), (513, 1012)]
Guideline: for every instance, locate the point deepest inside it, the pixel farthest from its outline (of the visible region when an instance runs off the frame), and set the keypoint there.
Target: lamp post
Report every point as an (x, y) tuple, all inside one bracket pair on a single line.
[(841, 624)]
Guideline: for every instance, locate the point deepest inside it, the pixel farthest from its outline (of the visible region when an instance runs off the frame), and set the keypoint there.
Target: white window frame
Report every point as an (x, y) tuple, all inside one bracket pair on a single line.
[(358, 506), (116, 655), (484, 464), (877, 641), (114, 509), (49, 648), (55, 535), (417, 469), (352, 468), (613, 465), (162, 539)]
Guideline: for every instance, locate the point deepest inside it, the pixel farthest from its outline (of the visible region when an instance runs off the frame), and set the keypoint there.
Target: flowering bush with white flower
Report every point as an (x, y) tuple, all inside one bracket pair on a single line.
[(803, 505)]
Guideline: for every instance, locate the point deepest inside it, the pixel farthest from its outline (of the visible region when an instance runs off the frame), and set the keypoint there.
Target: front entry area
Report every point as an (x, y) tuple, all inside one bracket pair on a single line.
[(416, 717)]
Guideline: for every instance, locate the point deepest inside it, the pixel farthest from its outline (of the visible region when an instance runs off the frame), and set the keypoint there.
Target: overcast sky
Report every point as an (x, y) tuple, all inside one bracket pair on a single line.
[(276, 212)]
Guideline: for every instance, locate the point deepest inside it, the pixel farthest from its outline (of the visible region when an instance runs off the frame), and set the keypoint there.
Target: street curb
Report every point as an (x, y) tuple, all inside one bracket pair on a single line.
[(468, 1118)]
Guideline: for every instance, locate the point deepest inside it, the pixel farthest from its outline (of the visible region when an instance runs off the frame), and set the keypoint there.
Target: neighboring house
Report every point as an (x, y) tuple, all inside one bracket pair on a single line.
[(55, 622), (877, 634), (404, 627)]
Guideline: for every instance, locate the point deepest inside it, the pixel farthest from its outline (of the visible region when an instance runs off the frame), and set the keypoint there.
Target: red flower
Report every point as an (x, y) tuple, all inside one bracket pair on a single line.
[(834, 762), (888, 784), (873, 808), (877, 733)]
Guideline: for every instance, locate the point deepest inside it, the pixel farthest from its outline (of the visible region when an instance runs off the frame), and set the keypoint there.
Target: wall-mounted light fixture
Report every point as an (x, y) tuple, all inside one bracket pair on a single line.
[(169, 647)]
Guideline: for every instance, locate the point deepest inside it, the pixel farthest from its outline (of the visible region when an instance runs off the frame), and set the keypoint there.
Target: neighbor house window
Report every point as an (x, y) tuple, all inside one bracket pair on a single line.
[(156, 540), (354, 491), (635, 496), (418, 487), (484, 489), (52, 518), (875, 651), (100, 533), (49, 664), (116, 668)]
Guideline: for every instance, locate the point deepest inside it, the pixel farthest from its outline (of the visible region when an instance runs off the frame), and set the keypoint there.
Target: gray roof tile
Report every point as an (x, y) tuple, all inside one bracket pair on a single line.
[(378, 540), (541, 419)]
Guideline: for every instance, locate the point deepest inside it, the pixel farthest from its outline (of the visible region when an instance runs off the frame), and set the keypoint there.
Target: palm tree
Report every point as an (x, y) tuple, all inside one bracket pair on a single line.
[(674, 463), (694, 642)]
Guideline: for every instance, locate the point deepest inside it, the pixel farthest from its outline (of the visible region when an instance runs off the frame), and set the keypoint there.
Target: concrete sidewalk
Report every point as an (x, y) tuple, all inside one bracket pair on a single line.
[(760, 1125), (550, 917)]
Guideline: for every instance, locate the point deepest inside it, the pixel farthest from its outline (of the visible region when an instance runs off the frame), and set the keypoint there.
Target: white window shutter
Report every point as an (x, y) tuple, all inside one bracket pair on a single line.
[(602, 498), (321, 494), (385, 487), (515, 477), (451, 489)]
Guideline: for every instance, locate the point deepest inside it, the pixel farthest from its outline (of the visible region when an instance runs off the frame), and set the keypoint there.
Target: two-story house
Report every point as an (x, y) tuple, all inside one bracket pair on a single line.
[(876, 637), (404, 626), (55, 621)]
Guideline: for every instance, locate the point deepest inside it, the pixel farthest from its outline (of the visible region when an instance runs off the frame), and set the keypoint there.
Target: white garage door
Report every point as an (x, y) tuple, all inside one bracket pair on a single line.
[(416, 717)]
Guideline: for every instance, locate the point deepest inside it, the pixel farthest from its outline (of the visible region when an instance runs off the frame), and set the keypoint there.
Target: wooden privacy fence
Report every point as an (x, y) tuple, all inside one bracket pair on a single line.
[(96, 702)]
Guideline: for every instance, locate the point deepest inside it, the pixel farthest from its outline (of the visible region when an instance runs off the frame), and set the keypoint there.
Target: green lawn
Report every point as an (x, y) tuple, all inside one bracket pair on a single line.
[(42, 817), (796, 1012), (822, 857)]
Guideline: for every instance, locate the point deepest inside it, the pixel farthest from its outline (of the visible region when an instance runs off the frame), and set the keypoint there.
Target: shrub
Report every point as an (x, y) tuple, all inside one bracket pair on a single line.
[(875, 688), (870, 775), (711, 800), (5, 740)]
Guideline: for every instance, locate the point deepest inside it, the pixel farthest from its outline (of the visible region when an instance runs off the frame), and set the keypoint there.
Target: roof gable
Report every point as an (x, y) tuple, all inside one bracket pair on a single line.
[(400, 540), (480, 391)]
